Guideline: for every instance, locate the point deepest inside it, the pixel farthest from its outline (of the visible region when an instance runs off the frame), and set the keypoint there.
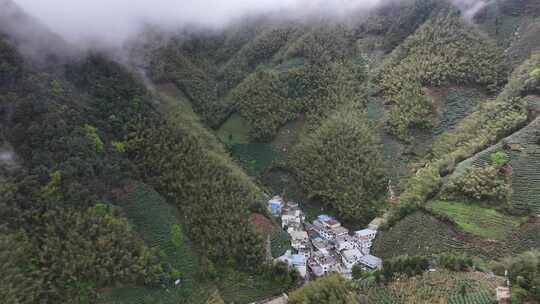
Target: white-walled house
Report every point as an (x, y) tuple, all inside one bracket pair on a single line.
[(325, 233), (299, 239), (351, 257), (327, 262), (366, 234), (365, 239), (346, 242), (292, 217), (340, 231)]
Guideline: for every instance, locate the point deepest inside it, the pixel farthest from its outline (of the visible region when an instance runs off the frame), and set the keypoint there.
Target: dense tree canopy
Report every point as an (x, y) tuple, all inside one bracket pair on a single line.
[(332, 289), (445, 50), (340, 164)]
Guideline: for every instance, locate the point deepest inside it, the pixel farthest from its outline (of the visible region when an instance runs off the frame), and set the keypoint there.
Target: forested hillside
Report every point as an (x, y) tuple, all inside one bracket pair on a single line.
[(144, 178), (79, 141)]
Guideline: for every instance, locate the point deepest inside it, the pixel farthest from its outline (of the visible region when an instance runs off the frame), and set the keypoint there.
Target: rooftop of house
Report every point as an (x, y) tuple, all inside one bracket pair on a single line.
[(340, 230), (365, 232), (292, 205), (352, 254), (320, 243), (298, 235), (292, 213), (313, 234), (371, 260), (325, 259), (332, 222), (276, 200), (503, 293), (324, 217), (317, 224), (345, 238), (298, 260)]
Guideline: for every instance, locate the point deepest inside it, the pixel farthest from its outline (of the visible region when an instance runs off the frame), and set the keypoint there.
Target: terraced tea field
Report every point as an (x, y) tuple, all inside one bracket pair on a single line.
[(423, 234), (453, 104), (255, 157), (437, 287), (458, 102), (237, 287), (527, 238), (525, 161), (153, 218), (472, 218), (234, 130), (393, 151)]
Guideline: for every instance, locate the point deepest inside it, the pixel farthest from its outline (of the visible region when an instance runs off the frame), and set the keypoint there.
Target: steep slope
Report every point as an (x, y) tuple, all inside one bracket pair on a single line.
[(79, 140), (444, 51)]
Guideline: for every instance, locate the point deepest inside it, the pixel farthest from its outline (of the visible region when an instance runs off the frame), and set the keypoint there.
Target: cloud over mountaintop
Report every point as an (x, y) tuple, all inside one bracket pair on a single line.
[(112, 21), (90, 23)]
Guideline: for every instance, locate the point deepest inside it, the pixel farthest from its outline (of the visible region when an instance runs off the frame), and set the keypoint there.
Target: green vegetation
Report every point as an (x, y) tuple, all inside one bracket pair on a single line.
[(330, 289), (268, 99), (398, 21), (159, 225), (445, 50), (69, 170), (53, 263), (239, 287), (524, 273), (234, 131), (481, 221), (204, 185), (441, 286), (257, 52), (280, 241), (492, 121), (340, 164), (459, 102), (405, 266), (420, 234), (120, 189), (262, 100), (324, 43), (77, 144), (172, 64), (488, 184), (93, 137)]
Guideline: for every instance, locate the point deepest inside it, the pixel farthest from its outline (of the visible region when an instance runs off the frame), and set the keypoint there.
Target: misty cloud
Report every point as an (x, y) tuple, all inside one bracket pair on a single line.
[(110, 23), (113, 21), (469, 7)]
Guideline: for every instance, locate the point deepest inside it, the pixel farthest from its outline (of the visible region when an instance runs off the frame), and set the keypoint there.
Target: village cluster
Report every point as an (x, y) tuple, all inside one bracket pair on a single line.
[(323, 246)]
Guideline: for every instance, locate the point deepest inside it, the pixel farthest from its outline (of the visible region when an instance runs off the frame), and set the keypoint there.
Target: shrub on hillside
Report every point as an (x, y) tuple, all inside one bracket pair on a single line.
[(483, 184), (404, 265)]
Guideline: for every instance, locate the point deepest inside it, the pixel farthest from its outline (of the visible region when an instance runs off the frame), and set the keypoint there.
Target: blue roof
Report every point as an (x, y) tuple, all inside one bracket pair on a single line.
[(275, 206), (298, 259), (324, 217)]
